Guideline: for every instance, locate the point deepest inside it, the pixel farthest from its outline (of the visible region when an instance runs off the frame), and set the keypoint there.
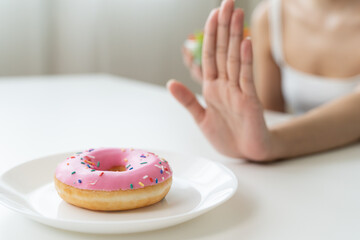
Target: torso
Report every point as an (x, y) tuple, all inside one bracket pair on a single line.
[(315, 51), (309, 33)]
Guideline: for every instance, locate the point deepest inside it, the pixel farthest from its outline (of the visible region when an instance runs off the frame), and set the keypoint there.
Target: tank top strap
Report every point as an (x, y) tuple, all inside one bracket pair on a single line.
[(275, 25)]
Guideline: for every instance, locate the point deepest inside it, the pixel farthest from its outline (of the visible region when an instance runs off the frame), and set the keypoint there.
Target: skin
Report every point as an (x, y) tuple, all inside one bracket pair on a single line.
[(331, 51), (233, 120), (195, 69)]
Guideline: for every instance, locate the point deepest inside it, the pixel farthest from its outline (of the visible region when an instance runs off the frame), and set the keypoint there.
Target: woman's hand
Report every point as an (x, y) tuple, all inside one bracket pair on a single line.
[(195, 69), (233, 119)]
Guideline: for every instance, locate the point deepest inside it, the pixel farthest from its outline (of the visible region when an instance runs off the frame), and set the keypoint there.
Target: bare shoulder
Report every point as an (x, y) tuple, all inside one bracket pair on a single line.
[(267, 72), (260, 26), (260, 17)]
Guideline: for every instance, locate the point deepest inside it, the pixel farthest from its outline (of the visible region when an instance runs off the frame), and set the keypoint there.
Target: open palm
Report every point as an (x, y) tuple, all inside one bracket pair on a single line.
[(233, 119)]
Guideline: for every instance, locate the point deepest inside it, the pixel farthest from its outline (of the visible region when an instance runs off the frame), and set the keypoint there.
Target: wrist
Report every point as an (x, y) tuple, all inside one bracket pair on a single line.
[(273, 149), (277, 146)]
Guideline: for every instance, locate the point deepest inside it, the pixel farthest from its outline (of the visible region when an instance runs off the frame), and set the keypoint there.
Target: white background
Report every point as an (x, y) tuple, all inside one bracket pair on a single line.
[(140, 39)]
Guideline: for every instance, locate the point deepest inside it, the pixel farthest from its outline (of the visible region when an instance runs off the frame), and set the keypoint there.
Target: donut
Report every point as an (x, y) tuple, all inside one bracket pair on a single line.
[(113, 179)]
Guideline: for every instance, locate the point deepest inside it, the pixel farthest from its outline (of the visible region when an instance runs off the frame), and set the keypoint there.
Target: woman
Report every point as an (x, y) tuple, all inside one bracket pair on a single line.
[(305, 54)]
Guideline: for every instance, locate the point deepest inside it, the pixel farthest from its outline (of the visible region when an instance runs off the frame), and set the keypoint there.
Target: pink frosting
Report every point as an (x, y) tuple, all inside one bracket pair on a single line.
[(89, 169)]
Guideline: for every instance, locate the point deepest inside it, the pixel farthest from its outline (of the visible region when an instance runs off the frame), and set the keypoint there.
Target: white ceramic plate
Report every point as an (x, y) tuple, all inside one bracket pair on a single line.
[(198, 186)]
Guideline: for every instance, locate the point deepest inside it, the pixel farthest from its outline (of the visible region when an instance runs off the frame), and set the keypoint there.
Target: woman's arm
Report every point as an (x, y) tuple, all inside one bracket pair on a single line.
[(233, 119), (331, 125), (266, 72)]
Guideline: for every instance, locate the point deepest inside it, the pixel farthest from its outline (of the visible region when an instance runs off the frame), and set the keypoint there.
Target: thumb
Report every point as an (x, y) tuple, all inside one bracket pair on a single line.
[(184, 96)]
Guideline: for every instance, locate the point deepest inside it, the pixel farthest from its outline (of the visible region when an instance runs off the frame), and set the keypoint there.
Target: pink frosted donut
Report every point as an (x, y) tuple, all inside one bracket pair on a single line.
[(111, 179)]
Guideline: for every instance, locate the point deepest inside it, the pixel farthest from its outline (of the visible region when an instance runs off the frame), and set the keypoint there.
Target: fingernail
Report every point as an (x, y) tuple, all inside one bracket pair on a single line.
[(226, 1), (169, 82)]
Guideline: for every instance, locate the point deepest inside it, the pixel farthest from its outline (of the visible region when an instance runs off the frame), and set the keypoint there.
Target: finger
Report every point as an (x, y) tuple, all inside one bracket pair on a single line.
[(222, 41), (209, 43), (187, 99), (196, 73), (246, 74), (187, 57), (236, 36)]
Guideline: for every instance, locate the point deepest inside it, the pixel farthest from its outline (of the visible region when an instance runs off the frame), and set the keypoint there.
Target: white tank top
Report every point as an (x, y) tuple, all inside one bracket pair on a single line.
[(303, 91)]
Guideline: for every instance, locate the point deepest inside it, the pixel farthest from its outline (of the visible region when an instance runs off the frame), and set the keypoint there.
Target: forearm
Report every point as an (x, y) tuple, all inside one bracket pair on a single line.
[(329, 126)]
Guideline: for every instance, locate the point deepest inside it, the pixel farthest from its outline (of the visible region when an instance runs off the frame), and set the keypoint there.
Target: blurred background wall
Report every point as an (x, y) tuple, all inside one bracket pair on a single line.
[(139, 39)]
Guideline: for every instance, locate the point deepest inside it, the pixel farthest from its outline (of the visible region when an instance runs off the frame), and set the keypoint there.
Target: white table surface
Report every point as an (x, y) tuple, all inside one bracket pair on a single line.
[(314, 197)]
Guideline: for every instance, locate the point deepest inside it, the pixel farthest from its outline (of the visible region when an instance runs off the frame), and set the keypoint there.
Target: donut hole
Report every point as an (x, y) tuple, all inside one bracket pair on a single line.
[(117, 169)]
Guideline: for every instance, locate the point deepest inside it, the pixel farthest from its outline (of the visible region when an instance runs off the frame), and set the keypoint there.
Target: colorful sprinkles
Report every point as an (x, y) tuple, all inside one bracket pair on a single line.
[(92, 165), (93, 183), (88, 162)]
